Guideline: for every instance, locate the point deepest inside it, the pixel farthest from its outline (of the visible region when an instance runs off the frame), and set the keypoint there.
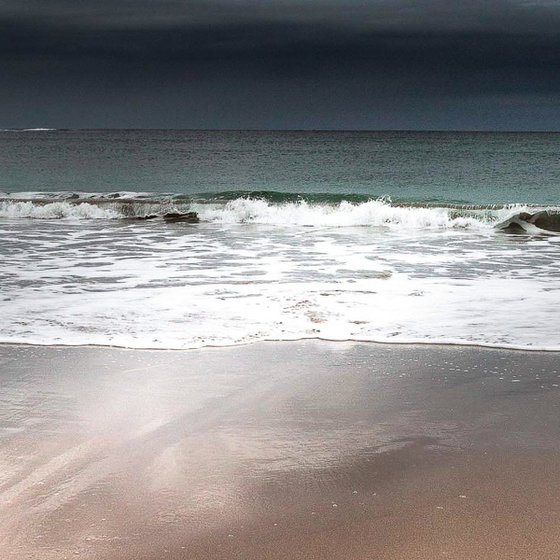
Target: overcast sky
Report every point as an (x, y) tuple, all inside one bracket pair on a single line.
[(300, 64)]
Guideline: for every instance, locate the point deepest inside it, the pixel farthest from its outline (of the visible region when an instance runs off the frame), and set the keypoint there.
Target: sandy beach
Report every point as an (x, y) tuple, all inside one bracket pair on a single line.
[(307, 450)]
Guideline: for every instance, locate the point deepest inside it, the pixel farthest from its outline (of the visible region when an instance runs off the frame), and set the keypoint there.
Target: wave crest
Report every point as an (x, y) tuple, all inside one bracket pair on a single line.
[(56, 210), (252, 210), (372, 213)]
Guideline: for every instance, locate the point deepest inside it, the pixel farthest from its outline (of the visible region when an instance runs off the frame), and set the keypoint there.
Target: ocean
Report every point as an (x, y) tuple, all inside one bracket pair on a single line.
[(369, 236)]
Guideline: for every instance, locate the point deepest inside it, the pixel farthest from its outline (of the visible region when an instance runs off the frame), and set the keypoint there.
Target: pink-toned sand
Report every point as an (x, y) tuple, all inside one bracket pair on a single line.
[(306, 450)]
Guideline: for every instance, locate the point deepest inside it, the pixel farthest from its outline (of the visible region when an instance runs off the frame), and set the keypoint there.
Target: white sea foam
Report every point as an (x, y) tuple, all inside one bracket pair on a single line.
[(372, 213), (154, 286), (56, 210)]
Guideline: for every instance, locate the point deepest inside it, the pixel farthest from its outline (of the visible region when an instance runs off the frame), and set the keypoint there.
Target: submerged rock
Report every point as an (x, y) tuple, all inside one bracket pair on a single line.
[(188, 217), (148, 217), (171, 217)]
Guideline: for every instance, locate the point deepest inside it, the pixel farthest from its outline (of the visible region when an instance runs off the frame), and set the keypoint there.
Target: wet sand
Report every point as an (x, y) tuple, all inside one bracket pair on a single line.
[(308, 450)]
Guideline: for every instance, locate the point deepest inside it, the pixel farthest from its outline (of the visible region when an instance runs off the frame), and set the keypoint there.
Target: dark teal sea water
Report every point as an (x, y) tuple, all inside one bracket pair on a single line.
[(374, 236), (477, 168)]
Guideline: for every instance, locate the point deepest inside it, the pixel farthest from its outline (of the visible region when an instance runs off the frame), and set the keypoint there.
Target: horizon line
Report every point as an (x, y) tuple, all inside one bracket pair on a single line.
[(196, 129)]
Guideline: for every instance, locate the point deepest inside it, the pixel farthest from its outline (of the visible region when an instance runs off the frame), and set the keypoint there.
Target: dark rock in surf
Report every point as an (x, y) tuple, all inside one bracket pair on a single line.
[(544, 220), (511, 227), (187, 217), (148, 217)]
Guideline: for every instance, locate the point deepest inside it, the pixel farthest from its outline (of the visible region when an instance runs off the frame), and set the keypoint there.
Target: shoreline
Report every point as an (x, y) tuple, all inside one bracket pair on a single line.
[(429, 344), (296, 450)]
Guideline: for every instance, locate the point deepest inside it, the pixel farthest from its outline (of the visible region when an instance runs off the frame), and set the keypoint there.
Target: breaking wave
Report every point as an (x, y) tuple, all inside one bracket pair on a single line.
[(28, 129), (262, 208), (56, 210), (379, 212)]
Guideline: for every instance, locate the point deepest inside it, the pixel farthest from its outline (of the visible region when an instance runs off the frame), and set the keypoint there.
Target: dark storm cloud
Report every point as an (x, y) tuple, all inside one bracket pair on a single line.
[(170, 26), (253, 63), (425, 15)]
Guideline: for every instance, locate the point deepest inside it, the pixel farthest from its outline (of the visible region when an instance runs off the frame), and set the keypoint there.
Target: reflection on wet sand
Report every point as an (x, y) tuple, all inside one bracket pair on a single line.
[(283, 450)]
